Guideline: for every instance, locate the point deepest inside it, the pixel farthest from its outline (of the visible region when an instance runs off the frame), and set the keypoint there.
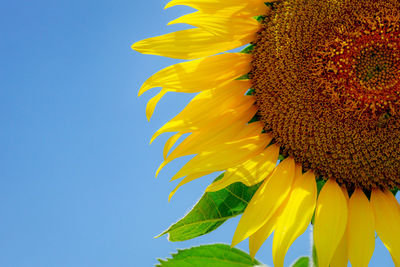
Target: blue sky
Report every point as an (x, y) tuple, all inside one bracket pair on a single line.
[(77, 172)]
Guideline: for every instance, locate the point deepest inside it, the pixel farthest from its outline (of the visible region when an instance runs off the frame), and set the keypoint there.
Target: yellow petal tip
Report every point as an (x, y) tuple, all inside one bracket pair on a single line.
[(136, 46), (141, 91), (171, 195), (149, 115), (171, 22), (153, 138), (236, 240), (160, 168), (169, 4), (133, 47)]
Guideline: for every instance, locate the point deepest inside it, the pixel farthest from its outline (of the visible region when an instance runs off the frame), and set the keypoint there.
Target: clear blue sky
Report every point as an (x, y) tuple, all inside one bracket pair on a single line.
[(77, 173)]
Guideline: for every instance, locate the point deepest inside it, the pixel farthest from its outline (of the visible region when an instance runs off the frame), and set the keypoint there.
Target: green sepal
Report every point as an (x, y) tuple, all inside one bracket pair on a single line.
[(251, 91), (215, 255), (243, 77), (212, 210), (260, 18), (314, 256), (302, 262), (320, 183), (270, 4), (248, 49), (254, 119), (281, 157), (394, 191)]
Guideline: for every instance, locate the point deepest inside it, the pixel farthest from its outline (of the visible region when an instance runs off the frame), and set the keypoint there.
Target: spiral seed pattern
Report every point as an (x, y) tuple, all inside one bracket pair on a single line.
[(326, 80)]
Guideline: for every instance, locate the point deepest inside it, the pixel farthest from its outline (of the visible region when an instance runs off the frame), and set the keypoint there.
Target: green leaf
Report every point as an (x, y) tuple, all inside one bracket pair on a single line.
[(302, 262), (216, 255), (212, 210)]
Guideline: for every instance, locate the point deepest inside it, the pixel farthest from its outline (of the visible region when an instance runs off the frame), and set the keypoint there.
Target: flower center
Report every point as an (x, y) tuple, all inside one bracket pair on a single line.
[(362, 65), (376, 67), (326, 80)]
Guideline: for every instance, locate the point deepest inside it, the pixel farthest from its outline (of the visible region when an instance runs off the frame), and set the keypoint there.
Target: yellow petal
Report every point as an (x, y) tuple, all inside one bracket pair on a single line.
[(330, 221), (212, 138), (249, 8), (235, 132), (191, 44), (387, 221), (296, 216), (258, 238), (213, 134), (199, 75), (211, 105), (217, 23), (268, 198), (170, 143), (225, 155), (208, 137), (184, 181), (250, 172), (361, 230), (340, 257), (151, 105)]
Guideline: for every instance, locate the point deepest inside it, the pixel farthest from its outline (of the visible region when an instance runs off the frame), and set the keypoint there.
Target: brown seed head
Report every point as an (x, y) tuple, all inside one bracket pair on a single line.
[(326, 78)]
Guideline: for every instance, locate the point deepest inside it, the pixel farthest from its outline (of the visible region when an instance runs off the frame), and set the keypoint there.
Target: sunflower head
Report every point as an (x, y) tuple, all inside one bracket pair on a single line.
[(326, 80), (315, 98)]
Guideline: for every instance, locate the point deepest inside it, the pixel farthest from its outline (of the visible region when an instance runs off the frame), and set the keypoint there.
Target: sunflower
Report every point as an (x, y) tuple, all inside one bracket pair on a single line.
[(315, 97)]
